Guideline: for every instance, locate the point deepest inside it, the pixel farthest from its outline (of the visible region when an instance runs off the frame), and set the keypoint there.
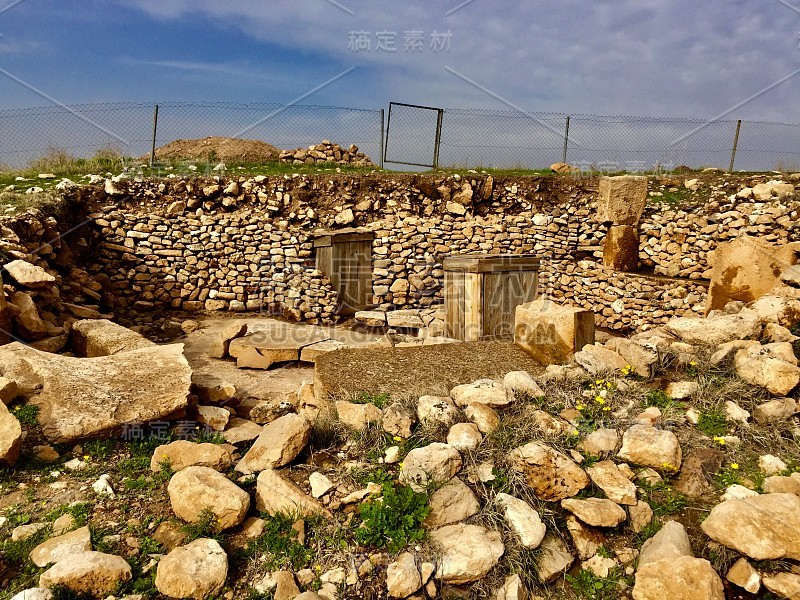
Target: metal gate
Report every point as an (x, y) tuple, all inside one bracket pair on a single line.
[(412, 132)]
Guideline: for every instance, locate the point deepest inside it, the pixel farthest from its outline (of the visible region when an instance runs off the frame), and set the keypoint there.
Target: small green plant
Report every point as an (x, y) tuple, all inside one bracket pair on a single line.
[(151, 481), (395, 520), (729, 476), (207, 526), (99, 449), (278, 546), (660, 399), (713, 423), (663, 499), (363, 477), (208, 436), (27, 414), (500, 480), (588, 585), (379, 400), (80, 512), (692, 369)]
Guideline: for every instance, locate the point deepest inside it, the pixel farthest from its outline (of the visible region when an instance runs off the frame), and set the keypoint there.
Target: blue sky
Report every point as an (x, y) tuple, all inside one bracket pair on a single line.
[(642, 57), (684, 58)]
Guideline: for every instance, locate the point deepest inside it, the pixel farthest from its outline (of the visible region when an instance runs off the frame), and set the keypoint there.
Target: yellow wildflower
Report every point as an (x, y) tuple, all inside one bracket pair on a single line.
[(735, 466), (719, 440)]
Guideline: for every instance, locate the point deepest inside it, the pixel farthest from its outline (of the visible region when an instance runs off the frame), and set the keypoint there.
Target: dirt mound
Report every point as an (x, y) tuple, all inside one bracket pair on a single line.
[(218, 148)]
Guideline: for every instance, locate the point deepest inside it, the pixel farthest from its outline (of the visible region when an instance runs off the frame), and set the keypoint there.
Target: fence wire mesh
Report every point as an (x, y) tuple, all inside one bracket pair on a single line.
[(471, 138), (83, 130)]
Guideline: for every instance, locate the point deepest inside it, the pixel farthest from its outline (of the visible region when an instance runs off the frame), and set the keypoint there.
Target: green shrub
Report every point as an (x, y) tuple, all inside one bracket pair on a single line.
[(394, 521)]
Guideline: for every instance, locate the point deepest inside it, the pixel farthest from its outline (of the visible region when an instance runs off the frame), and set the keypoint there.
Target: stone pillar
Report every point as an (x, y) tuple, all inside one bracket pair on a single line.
[(621, 250)]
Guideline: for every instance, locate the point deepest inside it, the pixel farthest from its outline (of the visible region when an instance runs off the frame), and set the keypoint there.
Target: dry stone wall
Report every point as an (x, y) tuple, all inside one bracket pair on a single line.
[(238, 243)]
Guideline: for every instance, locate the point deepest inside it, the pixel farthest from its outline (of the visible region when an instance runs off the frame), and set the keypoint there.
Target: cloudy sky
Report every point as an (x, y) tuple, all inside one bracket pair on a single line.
[(681, 58)]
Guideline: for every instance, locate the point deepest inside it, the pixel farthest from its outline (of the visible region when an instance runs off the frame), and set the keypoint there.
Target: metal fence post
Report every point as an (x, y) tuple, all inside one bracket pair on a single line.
[(735, 144), (382, 134), (155, 130), (440, 114), (566, 140)]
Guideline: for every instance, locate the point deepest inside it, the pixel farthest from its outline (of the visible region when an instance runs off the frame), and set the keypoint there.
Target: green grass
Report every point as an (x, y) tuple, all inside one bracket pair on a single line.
[(713, 423), (588, 585), (278, 547), (80, 511), (663, 499), (661, 400), (394, 521), (379, 400), (27, 414)]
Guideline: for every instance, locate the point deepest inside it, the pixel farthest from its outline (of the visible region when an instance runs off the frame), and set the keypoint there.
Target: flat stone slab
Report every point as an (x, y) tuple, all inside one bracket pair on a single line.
[(418, 371), (312, 352), (28, 275), (268, 343)]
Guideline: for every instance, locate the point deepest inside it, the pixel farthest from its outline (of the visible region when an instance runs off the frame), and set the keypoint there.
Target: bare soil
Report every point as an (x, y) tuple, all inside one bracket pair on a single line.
[(224, 149)]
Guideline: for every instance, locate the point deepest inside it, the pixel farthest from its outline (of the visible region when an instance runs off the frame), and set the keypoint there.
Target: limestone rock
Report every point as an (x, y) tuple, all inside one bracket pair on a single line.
[(397, 420), (746, 269), (771, 366), (278, 444), (468, 552), (241, 430), (320, 484), (608, 477), (403, 577), (8, 390), (640, 516), (437, 408), (221, 342), (28, 322), (783, 585), (552, 475), (211, 389), (762, 527), (484, 416), (10, 436), (371, 318), (512, 589), (698, 471), (587, 540), (551, 333), (715, 330), (647, 446), (464, 436), (553, 558), (597, 512), (358, 416), (276, 494), (682, 390), (745, 576), (84, 397), (776, 410), (621, 199), (61, 546), (640, 356), (521, 384), (435, 463), (680, 578), (484, 391), (101, 337), (621, 248), (195, 489), (183, 453), (600, 442), (196, 570), (781, 310), (597, 360), (88, 572), (38, 593), (523, 519), (28, 275)]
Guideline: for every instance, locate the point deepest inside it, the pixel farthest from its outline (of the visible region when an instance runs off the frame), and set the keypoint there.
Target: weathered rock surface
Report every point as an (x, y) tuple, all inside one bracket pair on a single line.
[(597, 512), (358, 416), (464, 436), (647, 446), (10, 436), (523, 520), (553, 558), (680, 578), (608, 477), (276, 494), (762, 527), (597, 360), (403, 577), (88, 572), (771, 366), (621, 199), (278, 444), (61, 546), (717, 329), (195, 489), (101, 337), (437, 408), (182, 454), (196, 570), (621, 248), (451, 503), (784, 585), (552, 475), (28, 275), (552, 333), (468, 552), (484, 391), (83, 397), (435, 463)]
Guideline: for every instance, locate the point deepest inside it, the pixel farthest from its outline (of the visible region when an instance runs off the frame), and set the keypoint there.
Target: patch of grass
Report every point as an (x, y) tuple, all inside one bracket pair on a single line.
[(278, 546), (99, 449), (363, 477), (663, 499), (588, 585), (151, 480), (379, 400), (209, 436), (661, 400), (648, 531), (393, 521), (713, 423), (207, 526), (61, 592), (27, 414), (80, 512)]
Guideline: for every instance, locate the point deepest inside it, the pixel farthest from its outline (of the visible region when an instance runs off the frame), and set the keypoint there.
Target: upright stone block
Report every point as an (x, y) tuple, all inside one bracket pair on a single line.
[(552, 333), (621, 200), (621, 250)]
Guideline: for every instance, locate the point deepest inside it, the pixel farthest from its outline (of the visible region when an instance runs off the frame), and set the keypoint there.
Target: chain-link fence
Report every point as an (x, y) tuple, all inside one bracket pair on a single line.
[(416, 135), (83, 130)]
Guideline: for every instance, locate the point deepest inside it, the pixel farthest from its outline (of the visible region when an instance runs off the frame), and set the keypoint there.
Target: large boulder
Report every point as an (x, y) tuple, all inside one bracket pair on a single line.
[(197, 570), (764, 527), (717, 329), (747, 268), (195, 489), (552, 333), (10, 436), (552, 475), (433, 464), (621, 199), (88, 572), (771, 366), (86, 397), (182, 454), (523, 519), (101, 337), (58, 547), (278, 445), (467, 552), (28, 275), (451, 503), (646, 446)]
